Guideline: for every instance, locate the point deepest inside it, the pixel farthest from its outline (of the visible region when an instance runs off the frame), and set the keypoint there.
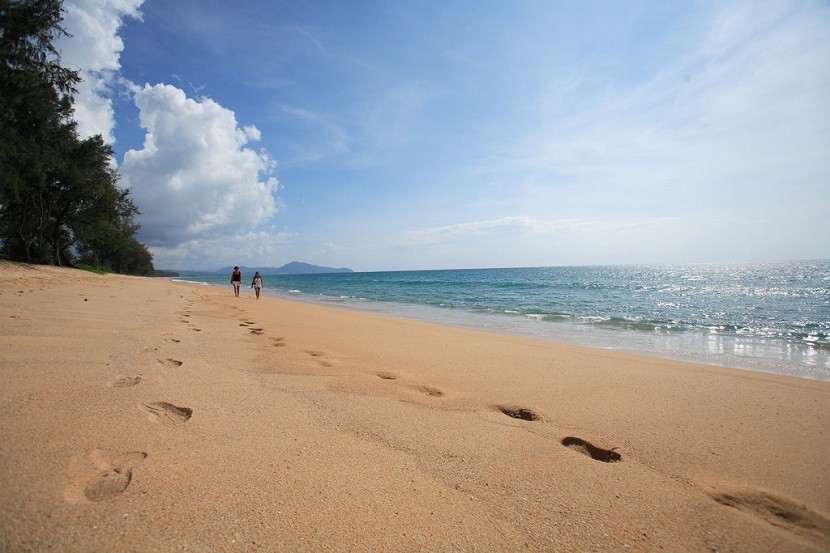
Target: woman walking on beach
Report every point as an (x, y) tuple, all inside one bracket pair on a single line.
[(236, 280), (256, 283)]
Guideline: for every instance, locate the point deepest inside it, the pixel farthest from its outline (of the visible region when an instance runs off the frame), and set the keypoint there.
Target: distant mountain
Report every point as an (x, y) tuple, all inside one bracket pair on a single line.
[(292, 268), (300, 268)]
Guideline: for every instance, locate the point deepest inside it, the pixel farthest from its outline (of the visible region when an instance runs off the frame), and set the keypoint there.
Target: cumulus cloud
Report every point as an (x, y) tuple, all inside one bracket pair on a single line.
[(262, 248), (199, 185), (94, 49), (194, 177)]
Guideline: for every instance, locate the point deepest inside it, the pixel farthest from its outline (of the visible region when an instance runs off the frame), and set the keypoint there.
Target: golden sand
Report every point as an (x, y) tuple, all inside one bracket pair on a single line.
[(143, 414)]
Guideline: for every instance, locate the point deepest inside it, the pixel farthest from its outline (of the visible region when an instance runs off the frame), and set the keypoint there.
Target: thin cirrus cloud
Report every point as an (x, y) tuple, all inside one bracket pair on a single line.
[(520, 224), (331, 139), (730, 107)]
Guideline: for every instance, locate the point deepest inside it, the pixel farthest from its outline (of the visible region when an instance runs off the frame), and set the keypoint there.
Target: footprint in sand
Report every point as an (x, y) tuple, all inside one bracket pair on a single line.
[(256, 331), (170, 362), (776, 511), (521, 413), (278, 342), (387, 376), (98, 475), (592, 451), (166, 413), (318, 355), (431, 391), (174, 340), (122, 381)]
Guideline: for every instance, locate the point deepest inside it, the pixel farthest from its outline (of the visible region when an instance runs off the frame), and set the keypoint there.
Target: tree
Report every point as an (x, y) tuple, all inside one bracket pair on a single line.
[(58, 194), (105, 235), (81, 193), (35, 108)]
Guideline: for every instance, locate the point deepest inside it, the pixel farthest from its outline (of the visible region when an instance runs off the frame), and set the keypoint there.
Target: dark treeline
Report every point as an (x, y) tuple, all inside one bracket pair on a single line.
[(59, 199)]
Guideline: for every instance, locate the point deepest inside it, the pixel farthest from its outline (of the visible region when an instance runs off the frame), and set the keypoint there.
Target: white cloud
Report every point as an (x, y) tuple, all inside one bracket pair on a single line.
[(521, 224), (201, 189), (94, 48), (194, 178), (329, 138), (263, 248), (744, 102)]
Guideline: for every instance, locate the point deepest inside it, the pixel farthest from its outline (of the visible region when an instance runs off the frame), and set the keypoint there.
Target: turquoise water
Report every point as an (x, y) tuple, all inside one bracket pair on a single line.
[(771, 317)]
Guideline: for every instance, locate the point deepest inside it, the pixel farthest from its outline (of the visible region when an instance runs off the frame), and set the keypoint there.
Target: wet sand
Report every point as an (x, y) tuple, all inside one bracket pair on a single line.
[(143, 414)]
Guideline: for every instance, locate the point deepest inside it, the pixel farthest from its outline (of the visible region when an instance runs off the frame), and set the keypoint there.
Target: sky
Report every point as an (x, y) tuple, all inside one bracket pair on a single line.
[(438, 134)]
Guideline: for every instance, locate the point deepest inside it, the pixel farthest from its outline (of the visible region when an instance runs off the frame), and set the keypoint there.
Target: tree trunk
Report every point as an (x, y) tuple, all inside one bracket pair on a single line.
[(21, 225)]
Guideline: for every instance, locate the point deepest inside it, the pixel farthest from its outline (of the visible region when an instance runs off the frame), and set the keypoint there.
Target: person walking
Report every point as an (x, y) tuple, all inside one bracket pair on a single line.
[(256, 283), (236, 280)]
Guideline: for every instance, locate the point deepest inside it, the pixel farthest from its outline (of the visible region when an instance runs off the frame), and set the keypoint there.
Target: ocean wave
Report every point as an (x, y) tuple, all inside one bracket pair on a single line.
[(200, 283), (549, 317), (640, 325), (772, 310)]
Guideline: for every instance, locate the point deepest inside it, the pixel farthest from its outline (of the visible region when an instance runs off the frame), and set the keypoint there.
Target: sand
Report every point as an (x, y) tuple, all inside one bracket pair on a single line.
[(142, 414)]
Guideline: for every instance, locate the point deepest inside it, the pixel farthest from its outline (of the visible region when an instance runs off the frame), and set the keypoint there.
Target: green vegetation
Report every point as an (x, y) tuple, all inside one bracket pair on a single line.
[(91, 269), (59, 199)]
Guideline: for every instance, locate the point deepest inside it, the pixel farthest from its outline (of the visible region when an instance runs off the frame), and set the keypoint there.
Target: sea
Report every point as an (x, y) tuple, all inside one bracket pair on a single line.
[(766, 317)]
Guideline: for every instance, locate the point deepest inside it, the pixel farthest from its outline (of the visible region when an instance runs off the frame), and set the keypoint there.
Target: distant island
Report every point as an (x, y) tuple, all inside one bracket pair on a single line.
[(292, 268)]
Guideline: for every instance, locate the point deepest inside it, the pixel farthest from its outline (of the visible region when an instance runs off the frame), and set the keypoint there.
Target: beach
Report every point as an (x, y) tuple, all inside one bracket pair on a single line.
[(144, 414)]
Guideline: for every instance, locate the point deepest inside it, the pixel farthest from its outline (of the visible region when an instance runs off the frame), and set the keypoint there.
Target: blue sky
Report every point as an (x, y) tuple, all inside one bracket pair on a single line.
[(384, 135)]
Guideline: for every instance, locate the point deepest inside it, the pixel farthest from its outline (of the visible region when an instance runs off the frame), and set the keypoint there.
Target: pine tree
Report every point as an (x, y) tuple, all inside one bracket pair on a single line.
[(58, 194)]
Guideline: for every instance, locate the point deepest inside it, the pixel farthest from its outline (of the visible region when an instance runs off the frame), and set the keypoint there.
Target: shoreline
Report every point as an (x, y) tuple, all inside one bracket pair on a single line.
[(637, 342), (159, 415), (686, 346)]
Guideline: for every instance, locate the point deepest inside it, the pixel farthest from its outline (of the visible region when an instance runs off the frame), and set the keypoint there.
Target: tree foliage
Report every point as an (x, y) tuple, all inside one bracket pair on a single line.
[(59, 199)]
